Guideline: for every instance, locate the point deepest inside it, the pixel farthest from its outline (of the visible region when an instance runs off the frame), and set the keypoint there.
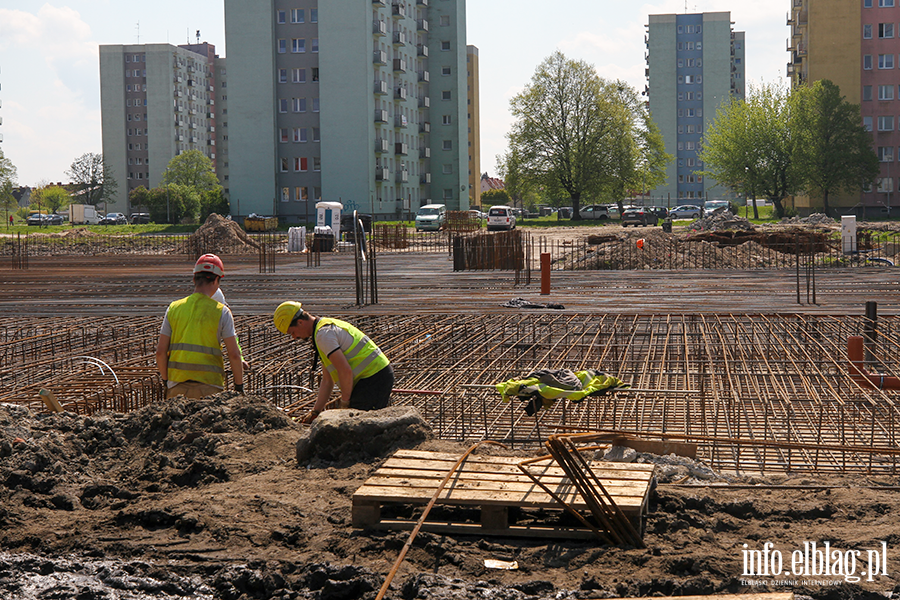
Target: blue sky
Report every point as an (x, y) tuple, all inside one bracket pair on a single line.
[(49, 66)]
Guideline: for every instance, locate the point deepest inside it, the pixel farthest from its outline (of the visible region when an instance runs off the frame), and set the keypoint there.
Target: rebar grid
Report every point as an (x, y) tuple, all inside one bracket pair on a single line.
[(757, 393)]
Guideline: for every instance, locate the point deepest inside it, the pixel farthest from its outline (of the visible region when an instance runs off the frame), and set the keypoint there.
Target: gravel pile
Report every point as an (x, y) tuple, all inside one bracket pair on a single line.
[(817, 219), (722, 220)]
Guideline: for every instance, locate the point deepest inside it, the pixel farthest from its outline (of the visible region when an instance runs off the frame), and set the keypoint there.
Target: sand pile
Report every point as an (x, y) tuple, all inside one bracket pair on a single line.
[(217, 235)]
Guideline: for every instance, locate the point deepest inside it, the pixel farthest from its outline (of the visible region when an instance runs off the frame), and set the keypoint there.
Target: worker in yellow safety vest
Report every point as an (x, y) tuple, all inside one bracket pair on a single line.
[(189, 353), (349, 358)]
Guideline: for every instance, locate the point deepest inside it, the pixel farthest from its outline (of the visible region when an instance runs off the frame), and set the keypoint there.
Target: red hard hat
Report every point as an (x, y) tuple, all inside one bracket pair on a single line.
[(210, 263)]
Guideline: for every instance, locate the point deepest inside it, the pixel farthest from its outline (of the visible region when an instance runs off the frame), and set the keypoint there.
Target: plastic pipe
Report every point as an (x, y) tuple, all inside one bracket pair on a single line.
[(855, 353)]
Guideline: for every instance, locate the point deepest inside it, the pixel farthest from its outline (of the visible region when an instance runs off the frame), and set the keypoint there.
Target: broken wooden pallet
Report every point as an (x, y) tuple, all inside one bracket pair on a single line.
[(494, 484)]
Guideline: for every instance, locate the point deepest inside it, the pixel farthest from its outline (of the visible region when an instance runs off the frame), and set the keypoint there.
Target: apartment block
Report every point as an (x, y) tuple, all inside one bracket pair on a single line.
[(157, 101), (358, 102), (474, 131), (857, 46), (695, 63)]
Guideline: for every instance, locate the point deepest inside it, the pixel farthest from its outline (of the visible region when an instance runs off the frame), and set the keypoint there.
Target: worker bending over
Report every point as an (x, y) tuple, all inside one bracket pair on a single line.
[(362, 371), (189, 352)]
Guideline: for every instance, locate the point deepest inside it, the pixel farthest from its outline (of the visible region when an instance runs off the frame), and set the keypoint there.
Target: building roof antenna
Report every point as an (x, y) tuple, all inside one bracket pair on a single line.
[(138, 27), (198, 36)]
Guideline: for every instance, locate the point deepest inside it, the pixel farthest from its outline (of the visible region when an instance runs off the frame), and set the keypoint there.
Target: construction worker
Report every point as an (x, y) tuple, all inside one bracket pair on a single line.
[(362, 371), (189, 352)]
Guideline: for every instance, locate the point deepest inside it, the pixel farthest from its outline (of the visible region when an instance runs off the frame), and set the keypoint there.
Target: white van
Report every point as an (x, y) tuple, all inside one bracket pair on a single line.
[(431, 217), (501, 217)]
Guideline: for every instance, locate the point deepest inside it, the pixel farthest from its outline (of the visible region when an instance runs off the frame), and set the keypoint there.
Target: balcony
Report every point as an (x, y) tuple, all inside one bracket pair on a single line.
[(380, 57), (422, 25), (422, 50), (381, 115), (399, 38), (425, 102), (382, 174), (401, 148), (425, 127), (425, 152), (421, 2), (381, 145), (179, 94), (403, 176), (379, 28), (398, 11), (191, 82), (210, 142), (399, 65), (379, 3), (381, 88), (424, 76), (400, 94), (426, 178), (400, 121)]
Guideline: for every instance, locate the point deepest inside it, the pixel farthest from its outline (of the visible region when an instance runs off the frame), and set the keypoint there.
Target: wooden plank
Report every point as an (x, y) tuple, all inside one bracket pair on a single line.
[(495, 461), (548, 480), (428, 486), (50, 401), (628, 504), (503, 470), (529, 531)]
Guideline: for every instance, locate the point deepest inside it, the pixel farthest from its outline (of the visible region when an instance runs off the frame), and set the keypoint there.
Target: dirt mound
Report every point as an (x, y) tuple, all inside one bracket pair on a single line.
[(722, 220), (813, 220), (217, 235), (66, 233)]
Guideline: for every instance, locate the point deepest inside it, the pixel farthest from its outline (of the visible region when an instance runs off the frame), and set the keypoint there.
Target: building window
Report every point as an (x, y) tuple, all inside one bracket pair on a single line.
[(299, 75), (447, 169), (282, 75), (448, 145), (315, 105), (299, 105), (886, 123), (303, 134), (886, 184), (285, 194), (867, 61), (885, 3), (885, 92), (298, 45), (445, 46), (445, 20), (680, 63), (446, 120), (867, 92), (445, 95), (297, 15), (315, 44), (867, 32), (314, 15), (885, 61), (284, 165), (867, 123), (315, 73), (282, 46), (445, 71), (317, 164), (867, 3), (681, 129), (448, 194), (283, 135), (885, 30), (282, 105), (316, 134), (282, 17), (886, 153)]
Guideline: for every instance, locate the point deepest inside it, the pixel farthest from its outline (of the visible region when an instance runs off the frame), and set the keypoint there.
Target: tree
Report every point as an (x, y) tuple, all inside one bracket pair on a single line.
[(173, 203), (571, 128), (191, 169), (213, 201), (7, 183), (495, 197), (51, 197), (833, 151), (750, 147), (139, 198), (93, 178)]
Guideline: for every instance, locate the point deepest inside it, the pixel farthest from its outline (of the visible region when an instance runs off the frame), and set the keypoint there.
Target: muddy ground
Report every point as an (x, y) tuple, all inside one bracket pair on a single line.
[(205, 499)]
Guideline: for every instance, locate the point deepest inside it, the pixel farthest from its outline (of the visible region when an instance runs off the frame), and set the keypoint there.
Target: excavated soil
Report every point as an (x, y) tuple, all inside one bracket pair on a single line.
[(205, 499), (216, 235)]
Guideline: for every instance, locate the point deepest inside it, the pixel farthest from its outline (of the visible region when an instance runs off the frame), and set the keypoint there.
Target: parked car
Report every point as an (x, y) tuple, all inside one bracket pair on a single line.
[(661, 212), (140, 218), (688, 211), (711, 205), (53, 219), (35, 219), (594, 211), (39, 219), (431, 217), (638, 216), (114, 219), (477, 214), (501, 217)]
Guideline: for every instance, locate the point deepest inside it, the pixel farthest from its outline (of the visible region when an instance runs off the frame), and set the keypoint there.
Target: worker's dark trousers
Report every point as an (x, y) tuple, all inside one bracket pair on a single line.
[(373, 392)]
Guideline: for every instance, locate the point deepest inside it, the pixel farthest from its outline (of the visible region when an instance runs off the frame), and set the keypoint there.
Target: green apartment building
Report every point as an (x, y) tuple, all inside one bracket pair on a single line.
[(362, 103)]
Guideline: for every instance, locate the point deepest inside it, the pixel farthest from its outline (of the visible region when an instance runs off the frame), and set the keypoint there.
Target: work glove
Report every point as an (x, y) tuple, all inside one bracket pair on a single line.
[(309, 418)]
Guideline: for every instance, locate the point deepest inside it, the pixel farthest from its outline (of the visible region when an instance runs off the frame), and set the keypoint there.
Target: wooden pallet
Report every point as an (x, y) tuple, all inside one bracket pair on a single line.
[(494, 484)]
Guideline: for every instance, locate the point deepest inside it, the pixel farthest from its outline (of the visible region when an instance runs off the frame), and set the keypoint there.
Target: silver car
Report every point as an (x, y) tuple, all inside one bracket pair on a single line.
[(688, 211)]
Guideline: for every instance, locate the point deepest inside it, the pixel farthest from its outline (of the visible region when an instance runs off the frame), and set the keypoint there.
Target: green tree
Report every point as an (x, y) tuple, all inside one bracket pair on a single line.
[(571, 127), (138, 198), (93, 178), (191, 169), (7, 184), (213, 201), (833, 151), (750, 147), (172, 204), (54, 197), (495, 197)]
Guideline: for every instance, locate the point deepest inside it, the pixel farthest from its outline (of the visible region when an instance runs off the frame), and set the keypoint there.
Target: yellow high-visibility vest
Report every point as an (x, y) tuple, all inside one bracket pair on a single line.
[(195, 352), (364, 356)]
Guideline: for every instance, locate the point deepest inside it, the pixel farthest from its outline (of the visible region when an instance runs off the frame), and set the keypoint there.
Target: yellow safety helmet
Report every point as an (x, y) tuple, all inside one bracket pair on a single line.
[(285, 313)]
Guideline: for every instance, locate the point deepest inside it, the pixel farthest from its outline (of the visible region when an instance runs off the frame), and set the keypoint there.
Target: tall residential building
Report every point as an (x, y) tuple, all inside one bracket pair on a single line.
[(358, 102), (1, 118), (695, 63), (156, 101), (474, 114), (856, 46)]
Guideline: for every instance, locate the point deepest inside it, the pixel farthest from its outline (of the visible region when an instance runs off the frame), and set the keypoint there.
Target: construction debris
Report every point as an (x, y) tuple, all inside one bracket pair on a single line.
[(215, 235)]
